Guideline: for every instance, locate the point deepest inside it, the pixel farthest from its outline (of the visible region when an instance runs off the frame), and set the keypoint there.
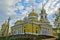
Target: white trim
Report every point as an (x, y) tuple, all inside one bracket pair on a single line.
[(31, 33)]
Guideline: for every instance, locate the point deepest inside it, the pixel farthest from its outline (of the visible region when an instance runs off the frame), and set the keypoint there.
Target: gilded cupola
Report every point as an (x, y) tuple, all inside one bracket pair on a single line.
[(33, 16), (33, 13)]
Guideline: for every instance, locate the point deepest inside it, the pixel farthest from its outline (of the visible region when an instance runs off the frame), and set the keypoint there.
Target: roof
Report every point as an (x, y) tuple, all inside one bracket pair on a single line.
[(18, 21), (33, 13)]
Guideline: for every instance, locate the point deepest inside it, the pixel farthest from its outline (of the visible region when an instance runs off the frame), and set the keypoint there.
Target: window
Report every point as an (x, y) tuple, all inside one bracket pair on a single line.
[(42, 16), (14, 32), (24, 30), (19, 31), (36, 30), (45, 31)]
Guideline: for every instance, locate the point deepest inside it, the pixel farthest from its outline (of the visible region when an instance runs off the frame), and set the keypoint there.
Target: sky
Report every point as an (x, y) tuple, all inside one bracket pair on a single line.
[(18, 9)]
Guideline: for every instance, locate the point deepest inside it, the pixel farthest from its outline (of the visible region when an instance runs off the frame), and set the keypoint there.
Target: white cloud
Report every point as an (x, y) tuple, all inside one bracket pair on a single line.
[(12, 22), (27, 1), (11, 5), (10, 2), (53, 10), (57, 6), (7, 9), (21, 7), (44, 1), (19, 0), (50, 6), (24, 13), (50, 2), (29, 8), (10, 11)]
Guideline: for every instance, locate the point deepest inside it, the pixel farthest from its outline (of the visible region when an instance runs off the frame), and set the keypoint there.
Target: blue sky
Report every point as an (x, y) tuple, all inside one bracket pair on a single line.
[(18, 9)]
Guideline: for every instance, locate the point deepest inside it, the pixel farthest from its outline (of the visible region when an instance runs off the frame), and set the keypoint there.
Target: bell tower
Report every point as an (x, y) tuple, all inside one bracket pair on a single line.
[(43, 15)]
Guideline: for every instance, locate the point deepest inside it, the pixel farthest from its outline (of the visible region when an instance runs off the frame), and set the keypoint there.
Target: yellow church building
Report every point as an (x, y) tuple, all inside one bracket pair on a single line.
[(31, 25)]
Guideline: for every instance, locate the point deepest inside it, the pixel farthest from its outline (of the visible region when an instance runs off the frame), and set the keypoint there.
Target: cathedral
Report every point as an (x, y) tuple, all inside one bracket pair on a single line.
[(31, 26)]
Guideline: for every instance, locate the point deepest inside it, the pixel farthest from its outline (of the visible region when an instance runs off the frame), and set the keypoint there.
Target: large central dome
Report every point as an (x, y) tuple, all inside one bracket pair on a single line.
[(33, 16), (33, 13)]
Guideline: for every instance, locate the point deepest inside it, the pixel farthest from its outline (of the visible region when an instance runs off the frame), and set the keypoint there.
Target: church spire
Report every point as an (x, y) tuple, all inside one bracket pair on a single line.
[(42, 5), (43, 15)]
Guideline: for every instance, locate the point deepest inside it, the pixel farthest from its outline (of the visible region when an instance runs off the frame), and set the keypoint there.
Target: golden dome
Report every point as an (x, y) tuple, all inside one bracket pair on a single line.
[(33, 13)]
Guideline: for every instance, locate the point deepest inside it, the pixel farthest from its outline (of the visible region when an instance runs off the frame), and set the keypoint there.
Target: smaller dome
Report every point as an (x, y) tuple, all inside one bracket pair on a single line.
[(33, 13), (19, 22)]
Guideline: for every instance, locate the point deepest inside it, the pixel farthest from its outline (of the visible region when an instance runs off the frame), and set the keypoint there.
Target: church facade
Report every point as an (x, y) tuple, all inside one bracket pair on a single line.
[(31, 25)]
